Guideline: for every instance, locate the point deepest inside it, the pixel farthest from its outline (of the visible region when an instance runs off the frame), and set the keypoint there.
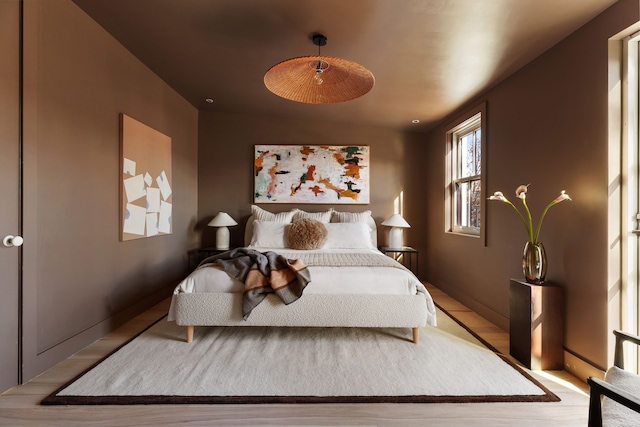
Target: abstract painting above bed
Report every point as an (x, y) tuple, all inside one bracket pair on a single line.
[(311, 174)]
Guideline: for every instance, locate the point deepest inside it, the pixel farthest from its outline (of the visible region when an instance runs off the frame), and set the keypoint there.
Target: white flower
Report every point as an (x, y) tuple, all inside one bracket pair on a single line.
[(521, 193)]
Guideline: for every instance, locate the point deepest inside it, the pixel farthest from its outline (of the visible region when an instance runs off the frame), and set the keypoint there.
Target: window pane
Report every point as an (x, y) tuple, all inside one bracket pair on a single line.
[(474, 209), (462, 204), (466, 149), (478, 153)]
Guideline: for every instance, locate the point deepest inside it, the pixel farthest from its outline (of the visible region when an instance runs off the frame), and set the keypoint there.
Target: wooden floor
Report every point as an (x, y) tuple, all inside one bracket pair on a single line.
[(20, 405)]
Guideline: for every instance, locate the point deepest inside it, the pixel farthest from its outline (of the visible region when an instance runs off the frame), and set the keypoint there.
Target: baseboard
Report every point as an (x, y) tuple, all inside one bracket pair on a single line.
[(579, 368), (488, 313)]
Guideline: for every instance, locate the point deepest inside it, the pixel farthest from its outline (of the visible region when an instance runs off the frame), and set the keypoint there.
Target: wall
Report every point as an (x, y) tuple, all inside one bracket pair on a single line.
[(225, 168), (80, 281), (547, 126)]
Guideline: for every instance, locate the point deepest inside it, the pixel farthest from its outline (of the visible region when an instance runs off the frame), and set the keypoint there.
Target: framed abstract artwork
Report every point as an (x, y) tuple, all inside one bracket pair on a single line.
[(145, 187), (311, 174)]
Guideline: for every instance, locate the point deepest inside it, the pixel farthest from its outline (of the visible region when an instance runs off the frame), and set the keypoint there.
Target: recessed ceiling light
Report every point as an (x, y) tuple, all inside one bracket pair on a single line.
[(415, 121), (209, 100)]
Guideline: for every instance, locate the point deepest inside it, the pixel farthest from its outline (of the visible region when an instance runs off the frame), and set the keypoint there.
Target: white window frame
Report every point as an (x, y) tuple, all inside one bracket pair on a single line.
[(469, 122), (624, 312)]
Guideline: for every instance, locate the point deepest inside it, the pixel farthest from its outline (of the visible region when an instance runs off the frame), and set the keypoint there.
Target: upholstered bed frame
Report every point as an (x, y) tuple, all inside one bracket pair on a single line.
[(313, 310)]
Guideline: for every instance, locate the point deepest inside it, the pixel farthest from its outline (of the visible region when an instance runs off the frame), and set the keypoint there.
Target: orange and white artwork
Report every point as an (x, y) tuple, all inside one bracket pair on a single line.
[(311, 174), (145, 187)]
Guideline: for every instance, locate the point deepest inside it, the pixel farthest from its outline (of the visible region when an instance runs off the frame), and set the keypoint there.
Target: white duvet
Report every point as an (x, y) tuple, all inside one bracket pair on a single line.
[(356, 280)]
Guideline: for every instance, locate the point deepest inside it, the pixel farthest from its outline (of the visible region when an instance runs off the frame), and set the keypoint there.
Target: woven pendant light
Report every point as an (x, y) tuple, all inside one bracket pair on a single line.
[(319, 79)]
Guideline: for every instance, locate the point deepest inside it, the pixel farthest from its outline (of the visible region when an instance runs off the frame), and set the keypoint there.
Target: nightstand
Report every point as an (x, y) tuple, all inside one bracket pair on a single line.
[(197, 255), (211, 250), (405, 255)]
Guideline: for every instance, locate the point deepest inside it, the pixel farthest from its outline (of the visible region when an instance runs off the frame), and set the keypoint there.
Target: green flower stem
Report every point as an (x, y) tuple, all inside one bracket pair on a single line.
[(530, 223), (524, 222), (542, 218)]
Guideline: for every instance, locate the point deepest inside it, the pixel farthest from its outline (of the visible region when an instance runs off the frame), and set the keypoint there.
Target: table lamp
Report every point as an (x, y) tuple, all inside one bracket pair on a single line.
[(397, 223), (222, 221)]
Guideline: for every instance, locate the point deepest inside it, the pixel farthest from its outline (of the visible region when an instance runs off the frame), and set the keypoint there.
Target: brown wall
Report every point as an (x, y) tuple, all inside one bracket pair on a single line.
[(79, 279), (225, 168), (547, 126)]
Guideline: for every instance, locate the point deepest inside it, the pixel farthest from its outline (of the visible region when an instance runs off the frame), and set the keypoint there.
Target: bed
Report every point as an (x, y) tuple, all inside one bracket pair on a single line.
[(352, 283)]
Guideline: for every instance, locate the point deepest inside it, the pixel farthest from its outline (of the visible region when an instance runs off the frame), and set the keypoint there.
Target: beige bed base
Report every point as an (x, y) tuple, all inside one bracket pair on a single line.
[(313, 310)]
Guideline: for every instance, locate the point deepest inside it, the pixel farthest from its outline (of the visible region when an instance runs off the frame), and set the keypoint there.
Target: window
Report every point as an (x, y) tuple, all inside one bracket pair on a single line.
[(464, 201), (624, 305)]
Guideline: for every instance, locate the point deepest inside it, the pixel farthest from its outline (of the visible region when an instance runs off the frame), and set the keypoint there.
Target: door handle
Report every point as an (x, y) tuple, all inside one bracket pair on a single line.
[(10, 241)]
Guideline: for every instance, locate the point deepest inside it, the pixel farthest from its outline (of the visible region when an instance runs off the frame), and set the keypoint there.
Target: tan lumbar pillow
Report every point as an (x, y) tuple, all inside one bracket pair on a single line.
[(306, 234)]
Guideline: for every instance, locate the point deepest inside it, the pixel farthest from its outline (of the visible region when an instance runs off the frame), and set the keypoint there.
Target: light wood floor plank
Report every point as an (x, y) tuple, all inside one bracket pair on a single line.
[(20, 405)]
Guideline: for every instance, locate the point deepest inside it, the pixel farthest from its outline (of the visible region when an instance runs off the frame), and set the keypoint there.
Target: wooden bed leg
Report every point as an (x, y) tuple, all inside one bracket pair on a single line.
[(416, 335), (190, 333)]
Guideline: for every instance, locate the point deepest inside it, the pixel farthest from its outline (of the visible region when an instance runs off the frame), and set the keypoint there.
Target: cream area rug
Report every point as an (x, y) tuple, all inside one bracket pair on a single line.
[(302, 365)]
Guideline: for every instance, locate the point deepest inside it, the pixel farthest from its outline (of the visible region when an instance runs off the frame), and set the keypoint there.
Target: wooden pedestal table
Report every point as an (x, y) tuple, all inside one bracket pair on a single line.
[(536, 325)]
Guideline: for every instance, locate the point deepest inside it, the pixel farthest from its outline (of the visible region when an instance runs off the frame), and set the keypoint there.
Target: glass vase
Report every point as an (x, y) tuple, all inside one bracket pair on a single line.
[(534, 263)]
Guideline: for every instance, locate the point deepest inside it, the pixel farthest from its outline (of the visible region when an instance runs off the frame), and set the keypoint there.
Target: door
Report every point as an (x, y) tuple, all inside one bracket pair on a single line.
[(10, 18)]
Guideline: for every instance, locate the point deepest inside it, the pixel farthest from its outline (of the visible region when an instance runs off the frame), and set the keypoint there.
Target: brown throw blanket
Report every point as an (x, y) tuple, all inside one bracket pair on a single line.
[(263, 273)]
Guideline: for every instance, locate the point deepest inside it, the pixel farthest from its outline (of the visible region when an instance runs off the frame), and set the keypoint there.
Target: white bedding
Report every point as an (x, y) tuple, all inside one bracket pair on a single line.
[(376, 280)]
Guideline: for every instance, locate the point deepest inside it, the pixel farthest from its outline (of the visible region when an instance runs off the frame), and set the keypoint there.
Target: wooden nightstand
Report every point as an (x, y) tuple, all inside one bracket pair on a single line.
[(404, 255), (535, 325)]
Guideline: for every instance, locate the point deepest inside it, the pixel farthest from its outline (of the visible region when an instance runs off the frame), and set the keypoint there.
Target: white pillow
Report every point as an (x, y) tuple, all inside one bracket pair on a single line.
[(262, 215), (269, 234), (348, 235), (363, 216), (318, 216)]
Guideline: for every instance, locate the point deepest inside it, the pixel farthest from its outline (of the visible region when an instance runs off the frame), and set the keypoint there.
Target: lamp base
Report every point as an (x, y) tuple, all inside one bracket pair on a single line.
[(222, 238), (395, 238)]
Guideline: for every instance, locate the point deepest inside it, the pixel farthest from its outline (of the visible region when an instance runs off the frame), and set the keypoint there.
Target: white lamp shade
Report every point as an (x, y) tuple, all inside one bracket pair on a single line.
[(396, 220), (222, 221)]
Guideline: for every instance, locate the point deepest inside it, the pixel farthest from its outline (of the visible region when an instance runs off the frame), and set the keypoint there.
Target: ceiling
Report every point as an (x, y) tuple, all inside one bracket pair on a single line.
[(428, 56)]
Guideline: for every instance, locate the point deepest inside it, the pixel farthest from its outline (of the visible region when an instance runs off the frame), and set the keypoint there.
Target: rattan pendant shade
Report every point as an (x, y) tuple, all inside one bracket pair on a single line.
[(319, 79)]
